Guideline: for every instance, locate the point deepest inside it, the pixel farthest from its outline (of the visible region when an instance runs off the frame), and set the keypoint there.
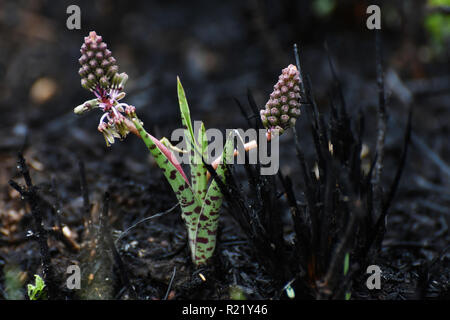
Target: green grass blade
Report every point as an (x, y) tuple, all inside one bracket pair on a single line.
[(184, 109), (198, 169), (346, 263)]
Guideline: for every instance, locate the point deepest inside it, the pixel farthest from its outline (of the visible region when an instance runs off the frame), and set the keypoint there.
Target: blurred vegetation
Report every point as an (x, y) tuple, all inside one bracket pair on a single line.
[(438, 25), (13, 283), (324, 8), (236, 293)]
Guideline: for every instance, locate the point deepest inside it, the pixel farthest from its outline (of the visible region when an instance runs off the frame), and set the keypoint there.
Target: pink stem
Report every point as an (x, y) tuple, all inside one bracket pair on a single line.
[(167, 153), (247, 147)]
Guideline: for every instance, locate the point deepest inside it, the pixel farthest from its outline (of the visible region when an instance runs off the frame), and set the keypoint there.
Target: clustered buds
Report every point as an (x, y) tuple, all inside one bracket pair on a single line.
[(99, 74), (283, 107), (105, 96), (98, 66)]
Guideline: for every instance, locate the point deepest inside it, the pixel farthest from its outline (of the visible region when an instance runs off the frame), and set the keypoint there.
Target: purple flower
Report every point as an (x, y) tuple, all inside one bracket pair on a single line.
[(99, 74), (283, 105)]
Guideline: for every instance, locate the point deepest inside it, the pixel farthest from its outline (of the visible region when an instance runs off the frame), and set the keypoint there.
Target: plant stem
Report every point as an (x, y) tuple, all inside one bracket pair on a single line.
[(247, 146)]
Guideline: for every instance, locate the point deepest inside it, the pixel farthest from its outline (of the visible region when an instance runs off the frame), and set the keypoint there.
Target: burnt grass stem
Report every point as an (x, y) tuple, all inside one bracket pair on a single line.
[(29, 194), (338, 210), (84, 190)]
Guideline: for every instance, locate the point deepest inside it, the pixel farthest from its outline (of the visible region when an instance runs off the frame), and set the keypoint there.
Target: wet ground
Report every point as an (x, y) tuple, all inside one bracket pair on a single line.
[(219, 50)]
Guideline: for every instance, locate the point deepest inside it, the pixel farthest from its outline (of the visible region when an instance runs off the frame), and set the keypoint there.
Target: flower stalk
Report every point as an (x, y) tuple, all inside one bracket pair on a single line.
[(283, 108), (200, 199)]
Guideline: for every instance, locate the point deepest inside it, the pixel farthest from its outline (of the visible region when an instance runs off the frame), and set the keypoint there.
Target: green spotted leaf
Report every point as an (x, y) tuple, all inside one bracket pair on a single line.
[(171, 168), (200, 203), (199, 169), (185, 113), (208, 221)]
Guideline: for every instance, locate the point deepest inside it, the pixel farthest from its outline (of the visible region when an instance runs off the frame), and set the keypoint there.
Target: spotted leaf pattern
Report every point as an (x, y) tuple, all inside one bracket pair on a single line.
[(200, 204)]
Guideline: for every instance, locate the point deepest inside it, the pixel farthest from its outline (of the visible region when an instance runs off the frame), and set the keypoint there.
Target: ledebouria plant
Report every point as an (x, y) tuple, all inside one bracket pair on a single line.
[(199, 201), (283, 107)]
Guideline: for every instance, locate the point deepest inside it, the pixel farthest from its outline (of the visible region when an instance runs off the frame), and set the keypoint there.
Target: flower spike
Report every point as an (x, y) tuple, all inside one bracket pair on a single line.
[(283, 107), (98, 67)]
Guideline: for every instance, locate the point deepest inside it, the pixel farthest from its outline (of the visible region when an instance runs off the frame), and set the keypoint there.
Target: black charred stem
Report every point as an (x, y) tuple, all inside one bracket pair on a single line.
[(378, 231), (40, 234), (381, 133), (106, 241), (259, 219), (255, 109), (342, 209), (57, 206), (302, 230)]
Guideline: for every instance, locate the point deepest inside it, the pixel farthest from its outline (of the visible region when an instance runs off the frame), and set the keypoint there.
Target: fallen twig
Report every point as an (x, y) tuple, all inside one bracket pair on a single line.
[(170, 283), (156, 215)]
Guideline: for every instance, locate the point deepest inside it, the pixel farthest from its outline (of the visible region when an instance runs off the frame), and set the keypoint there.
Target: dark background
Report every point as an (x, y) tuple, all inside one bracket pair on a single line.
[(219, 49)]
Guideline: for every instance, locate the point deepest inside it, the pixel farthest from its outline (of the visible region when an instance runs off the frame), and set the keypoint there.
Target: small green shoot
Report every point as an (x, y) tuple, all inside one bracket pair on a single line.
[(290, 292), (346, 268), (36, 291), (346, 263), (237, 293)]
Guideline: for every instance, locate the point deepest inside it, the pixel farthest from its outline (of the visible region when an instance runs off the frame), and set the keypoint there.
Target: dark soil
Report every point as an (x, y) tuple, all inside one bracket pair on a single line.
[(219, 50)]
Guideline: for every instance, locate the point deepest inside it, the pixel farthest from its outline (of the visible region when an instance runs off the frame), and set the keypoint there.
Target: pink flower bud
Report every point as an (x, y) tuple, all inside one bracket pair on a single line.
[(112, 71), (105, 63), (283, 105), (272, 120), (98, 65), (284, 118), (83, 59), (104, 82), (84, 84), (99, 72)]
